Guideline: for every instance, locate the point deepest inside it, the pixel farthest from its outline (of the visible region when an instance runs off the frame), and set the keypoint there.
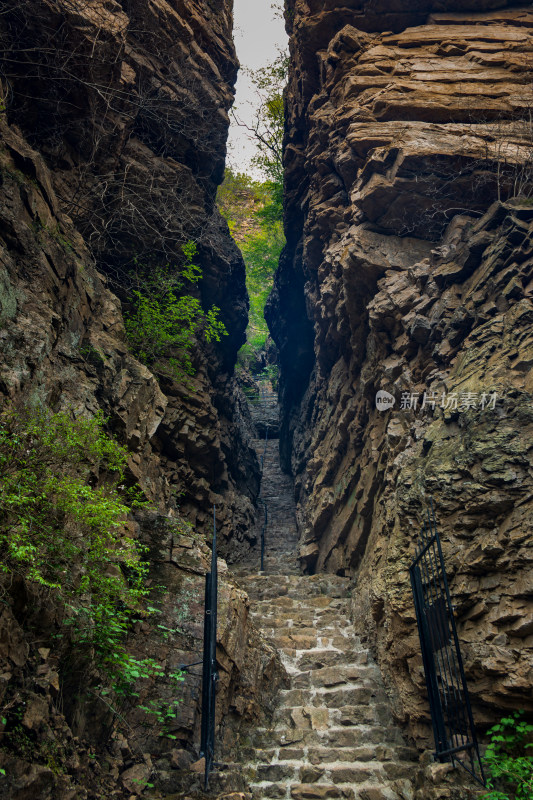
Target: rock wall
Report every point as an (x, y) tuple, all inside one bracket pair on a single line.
[(113, 123), (408, 269), (128, 110)]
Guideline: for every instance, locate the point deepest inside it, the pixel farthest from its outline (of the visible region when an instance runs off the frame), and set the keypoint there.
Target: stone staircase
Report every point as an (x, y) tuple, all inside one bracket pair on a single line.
[(332, 735)]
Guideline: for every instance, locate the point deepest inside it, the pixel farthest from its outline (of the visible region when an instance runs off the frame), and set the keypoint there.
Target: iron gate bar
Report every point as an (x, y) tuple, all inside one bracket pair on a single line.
[(456, 657), (209, 672), (439, 733), (445, 668), (454, 702), (451, 712)]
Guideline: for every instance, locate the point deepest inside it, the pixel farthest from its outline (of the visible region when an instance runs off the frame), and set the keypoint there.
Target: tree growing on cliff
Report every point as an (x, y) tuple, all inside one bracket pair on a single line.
[(267, 127)]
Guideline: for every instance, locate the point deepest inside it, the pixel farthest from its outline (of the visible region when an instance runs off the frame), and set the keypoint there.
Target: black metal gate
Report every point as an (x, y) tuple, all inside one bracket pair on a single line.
[(209, 672), (451, 713)]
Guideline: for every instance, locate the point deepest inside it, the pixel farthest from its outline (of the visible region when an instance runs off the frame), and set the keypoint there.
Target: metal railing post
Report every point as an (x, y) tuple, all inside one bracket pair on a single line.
[(265, 509), (209, 671)]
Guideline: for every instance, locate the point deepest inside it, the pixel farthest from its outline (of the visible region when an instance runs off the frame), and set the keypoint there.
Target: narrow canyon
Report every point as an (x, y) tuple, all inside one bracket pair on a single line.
[(401, 324)]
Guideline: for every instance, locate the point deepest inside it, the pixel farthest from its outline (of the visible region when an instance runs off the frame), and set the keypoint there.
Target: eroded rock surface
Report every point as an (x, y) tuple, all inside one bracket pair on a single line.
[(408, 269), (113, 123)]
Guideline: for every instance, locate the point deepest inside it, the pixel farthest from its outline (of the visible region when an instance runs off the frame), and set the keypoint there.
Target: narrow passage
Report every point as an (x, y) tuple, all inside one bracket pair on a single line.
[(333, 734)]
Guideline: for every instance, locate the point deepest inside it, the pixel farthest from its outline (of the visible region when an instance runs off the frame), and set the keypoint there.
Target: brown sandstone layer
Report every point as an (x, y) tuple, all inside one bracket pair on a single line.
[(409, 268)]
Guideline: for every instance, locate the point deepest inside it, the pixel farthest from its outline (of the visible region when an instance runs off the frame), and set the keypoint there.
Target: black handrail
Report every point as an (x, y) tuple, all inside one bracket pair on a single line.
[(449, 701), (209, 672), (265, 508)]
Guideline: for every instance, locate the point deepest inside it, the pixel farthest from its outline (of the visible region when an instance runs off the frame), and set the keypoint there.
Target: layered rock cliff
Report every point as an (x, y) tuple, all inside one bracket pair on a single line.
[(113, 122), (408, 269), (128, 109)]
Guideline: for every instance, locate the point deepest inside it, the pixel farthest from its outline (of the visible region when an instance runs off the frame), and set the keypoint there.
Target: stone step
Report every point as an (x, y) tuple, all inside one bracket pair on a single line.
[(301, 595), (295, 647), (296, 586), (327, 616), (283, 635), (319, 754), (347, 771), (322, 754), (343, 772), (332, 614), (306, 626), (331, 619), (315, 730), (272, 773), (359, 714), (315, 600), (324, 791), (305, 603), (340, 736), (355, 694), (312, 602), (318, 659), (347, 716), (303, 685), (343, 673), (297, 615), (271, 626), (359, 691), (288, 630), (284, 622), (295, 641)]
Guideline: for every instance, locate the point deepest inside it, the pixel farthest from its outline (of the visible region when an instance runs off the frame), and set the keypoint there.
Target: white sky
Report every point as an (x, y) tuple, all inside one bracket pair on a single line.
[(258, 34)]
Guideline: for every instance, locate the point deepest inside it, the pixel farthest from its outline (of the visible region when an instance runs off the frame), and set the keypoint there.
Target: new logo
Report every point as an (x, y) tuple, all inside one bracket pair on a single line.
[(384, 400)]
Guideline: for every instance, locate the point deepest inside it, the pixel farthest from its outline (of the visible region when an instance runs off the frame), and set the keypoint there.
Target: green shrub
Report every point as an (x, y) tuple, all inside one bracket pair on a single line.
[(509, 761), (64, 508), (164, 323)]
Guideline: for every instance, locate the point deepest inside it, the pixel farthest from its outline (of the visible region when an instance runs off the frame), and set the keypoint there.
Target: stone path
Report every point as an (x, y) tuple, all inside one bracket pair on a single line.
[(332, 735), (282, 531)]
